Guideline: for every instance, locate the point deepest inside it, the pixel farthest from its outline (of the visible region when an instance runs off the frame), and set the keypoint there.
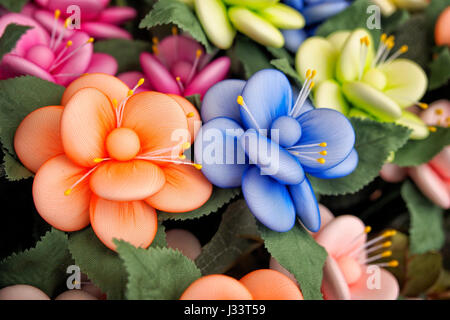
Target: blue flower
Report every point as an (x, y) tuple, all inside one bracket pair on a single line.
[(256, 136)]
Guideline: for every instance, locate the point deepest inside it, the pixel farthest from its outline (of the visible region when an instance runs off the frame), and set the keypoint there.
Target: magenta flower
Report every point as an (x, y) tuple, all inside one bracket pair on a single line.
[(97, 19), (180, 66), (60, 57)]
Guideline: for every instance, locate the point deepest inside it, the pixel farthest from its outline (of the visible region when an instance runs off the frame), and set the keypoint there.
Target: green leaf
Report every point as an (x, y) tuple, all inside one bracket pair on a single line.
[(126, 52), (399, 250), (284, 66), (178, 13), (440, 70), (374, 142), (13, 5), (160, 237), (43, 266), (102, 265), (281, 53), (426, 231), (156, 274), (300, 254), (432, 12), (416, 152), (251, 55), (195, 100), (423, 271), (10, 36), (235, 237), (14, 171), (218, 198), (394, 21)]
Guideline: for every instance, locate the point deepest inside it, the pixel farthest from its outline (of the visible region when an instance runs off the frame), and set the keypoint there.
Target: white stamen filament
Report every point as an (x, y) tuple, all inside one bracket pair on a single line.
[(198, 54), (56, 63), (241, 102)]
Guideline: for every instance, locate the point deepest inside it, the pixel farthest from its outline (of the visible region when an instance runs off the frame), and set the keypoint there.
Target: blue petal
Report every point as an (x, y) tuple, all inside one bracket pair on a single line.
[(296, 4), (220, 100), (268, 200), (342, 169), (306, 205), (321, 11), (268, 96), (219, 152), (288, 129), (293, 38), (331, 127), (273, 160)]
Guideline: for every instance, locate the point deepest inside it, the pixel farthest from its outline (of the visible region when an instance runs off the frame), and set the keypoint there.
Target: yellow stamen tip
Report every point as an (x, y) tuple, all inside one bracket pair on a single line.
[(98, 160), (367, 229), (198, 166), (67, 192), (190, 115), (386, 254), (389, 233), (387, 244), (393, 263), (404, 49), (186, 145), (182, 156), (155, 49), (312, 85), (240, 100), (155, 40), (439, 112), (383, 37), (423, 105), (324, 152), (69, 43), (323, 144), (198, 53), (91, 40), (321, 160), (66, 23), (178, 78), (313, 73), (174, 30), (432, 129), (57, 14), (115, 103), (141, 82), (308, 73), (130, 93)]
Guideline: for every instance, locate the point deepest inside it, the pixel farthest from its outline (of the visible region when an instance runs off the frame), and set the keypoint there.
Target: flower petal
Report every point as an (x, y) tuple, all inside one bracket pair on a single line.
[(283, 16), (90, 9), (293, 38), (103, 63), (193, 117), (134, 221), (437, 114), (219, 152), (268, 95), (306, 206), (325, 216), (221, 100), (392, 173), (100, 30), (38, 138), (160, 78), (441, 163), (388, 289), (127, 181), (64, 212), (314, 13), (331, 127), (410, 120), (177, 48), (342, 169), (117, 15), (13, 66), (268, 200), (334, 285), (208, 76), (267, 284), (329, 95), (185, 242), (47, 20), (131, 78), (87, 120), (186, 189)]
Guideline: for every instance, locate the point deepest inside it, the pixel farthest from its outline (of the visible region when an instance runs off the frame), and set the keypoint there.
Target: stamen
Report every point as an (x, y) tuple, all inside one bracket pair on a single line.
[(180, 84), (439, 112), (241, 102), (390, 43), (364, 49), (352, 250), (422, 105), (155, 49), (384, 235), (174, 31), (56, 64), (186, 145), (321, 160), (432, 129), (392, 264), (182, 157), (198, 54), (63, 51), (376, 257), (69, 191), (384, 245), (140, 83), (397, 54), (322, 144), (308, 85), (61, 34), (155, 40), (303, 155), (54, 27), (190, 115), (170, 160)]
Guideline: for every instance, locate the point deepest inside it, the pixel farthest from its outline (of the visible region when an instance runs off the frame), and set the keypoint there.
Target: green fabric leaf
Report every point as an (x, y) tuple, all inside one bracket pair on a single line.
[(251, 55), (156, 274), (43, 266), (218, 198), (284, 66), (440, 70), (374, 142), (300, 254), (10, 36), (13, 5), (160, 237), (281, 53), (14, 171), (126, 52), (426, 230), (416, 152), (235, 237), (178, 13), (195, 100), (394, 21)]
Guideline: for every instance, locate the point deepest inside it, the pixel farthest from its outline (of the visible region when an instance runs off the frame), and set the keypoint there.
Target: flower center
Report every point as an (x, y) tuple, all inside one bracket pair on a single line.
[(288, 129), (350, 268), (375, 78), (123, 144)]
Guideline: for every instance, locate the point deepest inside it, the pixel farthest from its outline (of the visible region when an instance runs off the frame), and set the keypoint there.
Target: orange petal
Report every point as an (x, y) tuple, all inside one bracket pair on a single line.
[(158, 120), (111, 86), (127, 181), (267, 284), (134, 221), (38, 137), (64, 212), (186, 189), (86, 121), (216, 287), (193, 117)]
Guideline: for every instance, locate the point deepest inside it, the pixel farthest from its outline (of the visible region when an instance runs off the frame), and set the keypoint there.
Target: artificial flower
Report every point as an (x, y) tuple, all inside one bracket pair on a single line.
[(110, 157), (185, 242), (442, 28), (98, 19), (263, 284), (356, 81), (256, 136), (60, 57), (388, 7), (259, 20), (432, 178), (27, 292), (180, 66)]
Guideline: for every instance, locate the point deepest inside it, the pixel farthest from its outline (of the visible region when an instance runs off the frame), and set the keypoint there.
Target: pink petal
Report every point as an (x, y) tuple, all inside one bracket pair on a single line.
[(13, 66), (432, 186), (103, 63), (178, 48), (159, 77), (117, 15), (41, 55), (100, 30), (392, 173), (334, 286), (433, 117), (90, 10), (441, 163), (342, 235), (131, 78), (325, 216), (42, 3), (388, 286), (29, 9), (214, 72), (47, 20)]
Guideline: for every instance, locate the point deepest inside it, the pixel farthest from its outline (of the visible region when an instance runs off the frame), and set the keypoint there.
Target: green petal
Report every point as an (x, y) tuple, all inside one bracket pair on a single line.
[(329, 95), (369, 99), (406, 81), (213, 17), (253, 4), (411, 4), (357, 113), (418, 127), (318, 54), (338, 38), (283, 16), (255, 27), (348, 64), (375, 78)]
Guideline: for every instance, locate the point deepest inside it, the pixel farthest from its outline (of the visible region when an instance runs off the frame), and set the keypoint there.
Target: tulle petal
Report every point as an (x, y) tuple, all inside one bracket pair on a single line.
[(325, 216), (392, 173), (293, 38), (431, 184), (306, 205), (177, 48), (100, 30), (315, 13), (160, 78), (103, 63), (334, 285), (388, 286), (441, 163), (90, 9), (342, 169), (47, 20), (193, 117), (216, 287), (117, 15), (13, 66)]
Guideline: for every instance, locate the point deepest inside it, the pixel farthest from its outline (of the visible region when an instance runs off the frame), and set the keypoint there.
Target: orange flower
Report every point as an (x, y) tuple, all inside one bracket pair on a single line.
[(110, 157)]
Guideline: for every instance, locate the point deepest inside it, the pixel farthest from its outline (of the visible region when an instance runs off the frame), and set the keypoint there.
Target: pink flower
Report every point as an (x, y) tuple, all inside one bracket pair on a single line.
[(60, 57), (180, 66), (432, 178), (97, 19)]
